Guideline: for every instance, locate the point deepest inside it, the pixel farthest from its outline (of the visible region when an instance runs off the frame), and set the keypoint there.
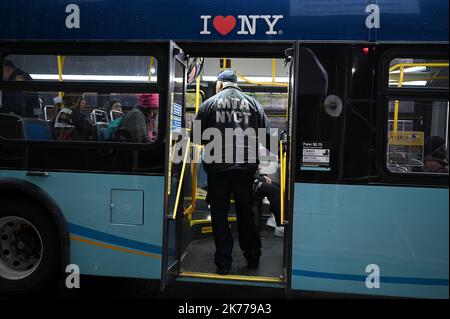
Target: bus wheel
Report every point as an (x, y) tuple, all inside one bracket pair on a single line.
[(29, 249)]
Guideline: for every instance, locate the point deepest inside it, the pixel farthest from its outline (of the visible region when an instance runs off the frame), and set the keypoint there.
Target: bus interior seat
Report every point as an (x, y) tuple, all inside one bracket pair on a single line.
[(35, 129), (115, 114), (97, 130), (10, 126), (99, 116), (48, 111)]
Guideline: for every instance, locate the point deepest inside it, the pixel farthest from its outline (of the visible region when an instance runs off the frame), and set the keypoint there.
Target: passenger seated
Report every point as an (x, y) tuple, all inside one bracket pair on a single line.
[(264, 187), (138, 125), (435, 158), (71, 123), (115, 105), (18, 102), (115, 110)]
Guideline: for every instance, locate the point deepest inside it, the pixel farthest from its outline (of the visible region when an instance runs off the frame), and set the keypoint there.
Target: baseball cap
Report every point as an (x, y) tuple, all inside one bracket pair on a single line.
[(228, 75)]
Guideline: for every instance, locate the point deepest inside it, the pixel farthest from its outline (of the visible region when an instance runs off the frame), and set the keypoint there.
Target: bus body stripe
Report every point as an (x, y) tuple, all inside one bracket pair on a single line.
[(116, 248), (112, 239), (383, 279)]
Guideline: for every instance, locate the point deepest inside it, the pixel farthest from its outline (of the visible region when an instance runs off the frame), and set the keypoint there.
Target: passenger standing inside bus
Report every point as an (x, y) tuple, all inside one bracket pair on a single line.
[(17, 102), (232, 109)]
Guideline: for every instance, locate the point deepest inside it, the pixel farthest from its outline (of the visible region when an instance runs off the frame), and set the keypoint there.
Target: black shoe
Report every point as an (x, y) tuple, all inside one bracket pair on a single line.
[(253, 265), (223, 271)]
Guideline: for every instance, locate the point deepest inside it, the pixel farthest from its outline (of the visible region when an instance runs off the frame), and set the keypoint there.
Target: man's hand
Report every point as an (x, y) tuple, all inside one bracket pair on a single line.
[(267, 179)]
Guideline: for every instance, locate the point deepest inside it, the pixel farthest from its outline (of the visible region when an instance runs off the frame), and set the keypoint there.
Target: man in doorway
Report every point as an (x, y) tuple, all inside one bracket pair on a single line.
[(232, 110)]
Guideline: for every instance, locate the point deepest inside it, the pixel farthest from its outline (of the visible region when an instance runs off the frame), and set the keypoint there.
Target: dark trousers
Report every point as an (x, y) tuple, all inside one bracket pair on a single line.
[(220, 187), (272, 192)]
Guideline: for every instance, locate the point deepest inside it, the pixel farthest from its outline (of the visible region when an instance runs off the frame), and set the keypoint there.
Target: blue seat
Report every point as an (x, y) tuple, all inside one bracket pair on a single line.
[(36, 129)]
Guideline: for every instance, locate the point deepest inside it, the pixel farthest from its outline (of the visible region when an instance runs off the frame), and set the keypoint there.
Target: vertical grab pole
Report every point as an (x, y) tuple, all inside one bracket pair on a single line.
[(396, 103), (60, 60), (282, 165), (175, 210), (197, 94), (150, 67)]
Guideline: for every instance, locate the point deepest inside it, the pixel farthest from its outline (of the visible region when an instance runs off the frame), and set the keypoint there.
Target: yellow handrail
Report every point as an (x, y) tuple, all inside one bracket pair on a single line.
[(180, 184), (245, 79), (282, 182), (431, 64), (150, 66), (60, 59), (402, 67), (396, 103), (194, 171), (194, 166), (197, 94)]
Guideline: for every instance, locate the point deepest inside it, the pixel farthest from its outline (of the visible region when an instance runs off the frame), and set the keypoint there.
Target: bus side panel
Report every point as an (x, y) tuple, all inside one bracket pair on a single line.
[(341, 229), (102, 243)]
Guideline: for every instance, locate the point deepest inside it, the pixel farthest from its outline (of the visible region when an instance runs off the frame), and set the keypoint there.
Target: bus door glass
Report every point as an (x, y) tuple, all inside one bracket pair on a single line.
[(286, 163), (176, 152)]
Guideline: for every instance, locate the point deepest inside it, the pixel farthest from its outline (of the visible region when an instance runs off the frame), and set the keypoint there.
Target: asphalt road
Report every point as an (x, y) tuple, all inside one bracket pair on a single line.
[(125, 288)]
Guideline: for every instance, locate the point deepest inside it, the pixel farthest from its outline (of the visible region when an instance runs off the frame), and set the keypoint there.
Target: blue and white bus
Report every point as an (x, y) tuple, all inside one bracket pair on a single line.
[(359, 86)]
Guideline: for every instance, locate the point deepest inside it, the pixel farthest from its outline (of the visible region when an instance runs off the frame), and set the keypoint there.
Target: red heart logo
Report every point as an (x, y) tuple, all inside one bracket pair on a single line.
[(224, 25)]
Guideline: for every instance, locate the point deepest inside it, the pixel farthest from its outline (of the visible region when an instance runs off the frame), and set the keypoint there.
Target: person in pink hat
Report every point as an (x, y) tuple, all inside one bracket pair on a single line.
[(138, 125)]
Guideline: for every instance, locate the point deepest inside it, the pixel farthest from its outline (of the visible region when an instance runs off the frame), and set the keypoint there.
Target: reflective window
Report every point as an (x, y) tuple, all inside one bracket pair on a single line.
[(418, 73), (89, 116), (275, 107), (129, 69), (418, 136)]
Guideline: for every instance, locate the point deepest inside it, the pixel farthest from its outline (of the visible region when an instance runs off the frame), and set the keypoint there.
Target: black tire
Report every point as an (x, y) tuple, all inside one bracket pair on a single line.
[(48, 269)]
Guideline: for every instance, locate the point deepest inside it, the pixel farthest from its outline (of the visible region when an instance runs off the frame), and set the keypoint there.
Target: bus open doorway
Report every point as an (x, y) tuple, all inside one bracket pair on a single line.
[(267, 79)]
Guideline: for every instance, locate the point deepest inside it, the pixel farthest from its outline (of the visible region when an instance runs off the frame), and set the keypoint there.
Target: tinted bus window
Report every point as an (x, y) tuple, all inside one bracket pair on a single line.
[(418, 73), (129, 69), (89, 116), (418, 136)]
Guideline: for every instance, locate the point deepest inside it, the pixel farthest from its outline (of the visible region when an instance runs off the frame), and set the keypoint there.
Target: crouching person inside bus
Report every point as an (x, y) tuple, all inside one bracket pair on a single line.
[(138, 125)]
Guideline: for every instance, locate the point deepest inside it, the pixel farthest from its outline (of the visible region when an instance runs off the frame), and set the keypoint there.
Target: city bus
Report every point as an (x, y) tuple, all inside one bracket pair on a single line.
[(359, 89)]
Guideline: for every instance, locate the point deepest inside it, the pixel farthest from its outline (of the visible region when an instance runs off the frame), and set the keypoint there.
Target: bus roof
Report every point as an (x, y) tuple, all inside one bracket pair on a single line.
[(200, 20)]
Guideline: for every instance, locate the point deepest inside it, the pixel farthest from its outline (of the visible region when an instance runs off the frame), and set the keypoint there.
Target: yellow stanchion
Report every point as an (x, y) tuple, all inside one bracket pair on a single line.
[(282, 183), (180, 184), (60, 60), (150, 67), (245, 79)]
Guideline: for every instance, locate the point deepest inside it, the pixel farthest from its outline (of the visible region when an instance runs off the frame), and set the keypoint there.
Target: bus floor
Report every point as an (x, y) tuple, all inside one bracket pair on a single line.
[(199, 257)]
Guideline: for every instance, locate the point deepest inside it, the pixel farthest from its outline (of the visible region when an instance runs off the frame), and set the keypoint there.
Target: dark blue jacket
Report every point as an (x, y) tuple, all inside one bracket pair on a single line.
[(231, 109)]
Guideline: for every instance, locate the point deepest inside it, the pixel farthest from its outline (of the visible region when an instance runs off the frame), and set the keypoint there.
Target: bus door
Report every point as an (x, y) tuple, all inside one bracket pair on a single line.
[(308, 152), (177, 145), (287, 163)]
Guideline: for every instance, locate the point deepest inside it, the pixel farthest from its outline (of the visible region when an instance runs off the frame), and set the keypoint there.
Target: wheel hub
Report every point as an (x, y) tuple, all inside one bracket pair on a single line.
[(20, 248)]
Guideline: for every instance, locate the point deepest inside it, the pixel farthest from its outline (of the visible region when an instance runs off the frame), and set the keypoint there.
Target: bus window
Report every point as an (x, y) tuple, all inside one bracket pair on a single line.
[(91, 116), (125, 69), (417, 127), (418, 136), (418, 73)]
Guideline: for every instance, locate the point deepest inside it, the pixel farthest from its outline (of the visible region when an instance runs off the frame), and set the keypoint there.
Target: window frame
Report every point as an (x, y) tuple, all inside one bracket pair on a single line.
[(155, 49), (385, 94)]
